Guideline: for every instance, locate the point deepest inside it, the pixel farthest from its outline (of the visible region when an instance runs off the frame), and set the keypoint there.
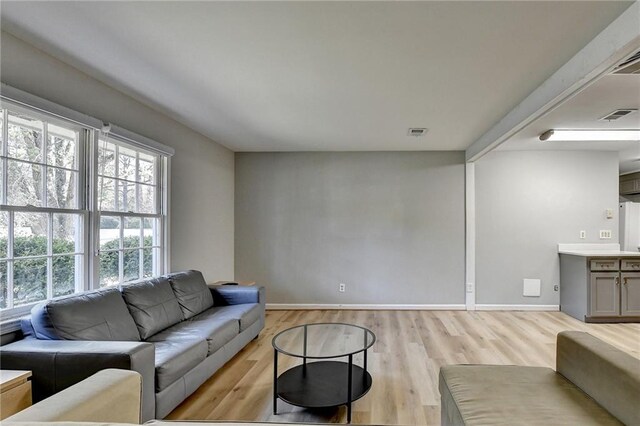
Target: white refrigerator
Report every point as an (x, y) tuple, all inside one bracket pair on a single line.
[(630, 226)]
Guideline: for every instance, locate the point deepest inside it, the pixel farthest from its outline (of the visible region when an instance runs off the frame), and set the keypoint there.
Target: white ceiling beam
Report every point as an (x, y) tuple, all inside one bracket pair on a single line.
[(620, 39)]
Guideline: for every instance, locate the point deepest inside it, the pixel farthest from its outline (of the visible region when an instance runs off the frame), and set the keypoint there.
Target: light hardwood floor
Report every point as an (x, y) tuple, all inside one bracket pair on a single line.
[(404, 362)]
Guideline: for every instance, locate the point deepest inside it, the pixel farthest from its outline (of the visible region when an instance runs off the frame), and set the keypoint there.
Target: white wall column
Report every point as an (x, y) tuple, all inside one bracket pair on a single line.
[(470, 236)]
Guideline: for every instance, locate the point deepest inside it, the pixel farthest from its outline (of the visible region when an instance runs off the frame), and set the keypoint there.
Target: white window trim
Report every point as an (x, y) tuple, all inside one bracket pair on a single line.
[(37, 103), (38, 106)]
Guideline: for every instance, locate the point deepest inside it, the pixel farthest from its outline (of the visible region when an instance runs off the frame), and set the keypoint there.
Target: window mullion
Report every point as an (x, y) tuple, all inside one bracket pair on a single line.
[(158, 256), (5, 148), (21, 160), (141, 251), (164, 173), (92, 221), (121, 251), (50, 256), (81, 277), (158, 182), (137, 178), (34, 209), (10, 261), (45, 168), (116, 169)]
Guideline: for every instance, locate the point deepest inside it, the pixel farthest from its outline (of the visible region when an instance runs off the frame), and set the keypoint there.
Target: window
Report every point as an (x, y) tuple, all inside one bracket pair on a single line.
[(41, 239), (65, 188), (130, 219)]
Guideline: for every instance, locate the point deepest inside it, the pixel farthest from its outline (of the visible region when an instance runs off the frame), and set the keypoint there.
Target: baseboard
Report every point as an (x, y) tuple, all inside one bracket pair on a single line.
[(480, 307), (364, 307)]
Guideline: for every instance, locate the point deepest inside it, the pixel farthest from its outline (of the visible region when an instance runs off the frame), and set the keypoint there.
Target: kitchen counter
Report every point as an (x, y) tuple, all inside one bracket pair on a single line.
[(599, 282), (601, 253), (596, 250)]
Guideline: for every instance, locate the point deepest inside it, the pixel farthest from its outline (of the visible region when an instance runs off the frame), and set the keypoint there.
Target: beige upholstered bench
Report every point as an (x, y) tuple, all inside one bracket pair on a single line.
[(110, 397), (594, 384)]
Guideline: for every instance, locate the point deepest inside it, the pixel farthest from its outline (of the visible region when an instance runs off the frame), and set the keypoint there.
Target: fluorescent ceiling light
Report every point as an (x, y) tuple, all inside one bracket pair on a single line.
[(590, 135)]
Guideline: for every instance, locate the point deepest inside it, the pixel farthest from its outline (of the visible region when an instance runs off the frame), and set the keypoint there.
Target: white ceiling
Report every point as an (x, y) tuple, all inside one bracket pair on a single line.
[(583, 111), (299, 76)]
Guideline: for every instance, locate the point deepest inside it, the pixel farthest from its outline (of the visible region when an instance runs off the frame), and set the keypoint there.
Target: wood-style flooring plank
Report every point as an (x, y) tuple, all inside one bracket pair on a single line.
[(411, 347)]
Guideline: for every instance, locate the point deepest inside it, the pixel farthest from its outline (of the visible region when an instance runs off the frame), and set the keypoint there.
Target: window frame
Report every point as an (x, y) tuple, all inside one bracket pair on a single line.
[(80, 209), (89, 134), (161, 211)]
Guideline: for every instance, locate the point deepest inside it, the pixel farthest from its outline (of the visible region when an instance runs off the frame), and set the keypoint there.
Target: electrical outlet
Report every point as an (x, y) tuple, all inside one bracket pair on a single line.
[(605, 234), (342, 287), (469, 287), (583, 235)]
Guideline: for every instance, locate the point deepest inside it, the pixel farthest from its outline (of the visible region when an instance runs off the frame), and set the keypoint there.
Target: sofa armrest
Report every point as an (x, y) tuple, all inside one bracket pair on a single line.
[(111, 395), (58, 364), (608, 375), (237, 294)]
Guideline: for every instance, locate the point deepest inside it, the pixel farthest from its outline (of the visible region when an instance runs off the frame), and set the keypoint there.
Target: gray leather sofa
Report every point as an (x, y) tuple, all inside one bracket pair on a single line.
[(176, 331)]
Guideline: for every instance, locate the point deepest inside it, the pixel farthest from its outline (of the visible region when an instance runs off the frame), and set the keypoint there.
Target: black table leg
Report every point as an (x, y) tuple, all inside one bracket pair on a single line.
[(304, 353), (275, 382), (350, 378), (364, 376)]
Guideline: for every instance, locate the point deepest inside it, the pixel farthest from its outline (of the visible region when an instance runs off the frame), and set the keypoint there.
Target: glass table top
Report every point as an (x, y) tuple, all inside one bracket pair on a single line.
[(323, 340)]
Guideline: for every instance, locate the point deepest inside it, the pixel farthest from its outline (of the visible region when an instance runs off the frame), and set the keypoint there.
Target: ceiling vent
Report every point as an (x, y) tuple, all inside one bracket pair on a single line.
[(619, 113), (629, 66), (417, 131)]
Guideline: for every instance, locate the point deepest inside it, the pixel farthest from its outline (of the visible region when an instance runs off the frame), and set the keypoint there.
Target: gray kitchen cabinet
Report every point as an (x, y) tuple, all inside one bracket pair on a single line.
[(600, 289), (630, 294), (630, 184), (629, 187), (604, 294)]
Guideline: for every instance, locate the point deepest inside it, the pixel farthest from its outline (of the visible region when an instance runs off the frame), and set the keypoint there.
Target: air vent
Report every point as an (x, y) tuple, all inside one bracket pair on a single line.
[(417, 131), (629, 66), (619, 113)]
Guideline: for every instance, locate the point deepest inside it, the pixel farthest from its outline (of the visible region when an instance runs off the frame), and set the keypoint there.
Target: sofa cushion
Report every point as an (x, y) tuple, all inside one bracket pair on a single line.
[(27, 327), (94, 315), (604, 372), (174, 358), (191, 291), (216, 331), (246, 314), (505, 394), (153, 305)]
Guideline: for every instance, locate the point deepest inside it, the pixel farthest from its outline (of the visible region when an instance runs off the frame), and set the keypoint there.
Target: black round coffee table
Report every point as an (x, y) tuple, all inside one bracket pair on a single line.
[(325, 382)]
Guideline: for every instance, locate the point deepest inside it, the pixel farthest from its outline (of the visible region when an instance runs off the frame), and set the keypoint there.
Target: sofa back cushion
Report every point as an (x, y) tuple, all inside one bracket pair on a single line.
[(608, 375), (153, 305), (191, 291), (94, 315)]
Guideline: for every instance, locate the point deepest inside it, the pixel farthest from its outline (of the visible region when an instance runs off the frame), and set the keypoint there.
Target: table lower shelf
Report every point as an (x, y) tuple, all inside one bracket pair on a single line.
[(324, 384)]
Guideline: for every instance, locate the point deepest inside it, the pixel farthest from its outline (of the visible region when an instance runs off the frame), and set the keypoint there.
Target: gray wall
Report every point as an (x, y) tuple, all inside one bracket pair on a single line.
[(202, 171), (390, 225), (527, 203)]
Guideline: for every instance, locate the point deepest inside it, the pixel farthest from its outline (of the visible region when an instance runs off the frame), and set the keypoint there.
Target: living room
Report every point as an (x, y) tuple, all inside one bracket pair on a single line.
[(375, 164)]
